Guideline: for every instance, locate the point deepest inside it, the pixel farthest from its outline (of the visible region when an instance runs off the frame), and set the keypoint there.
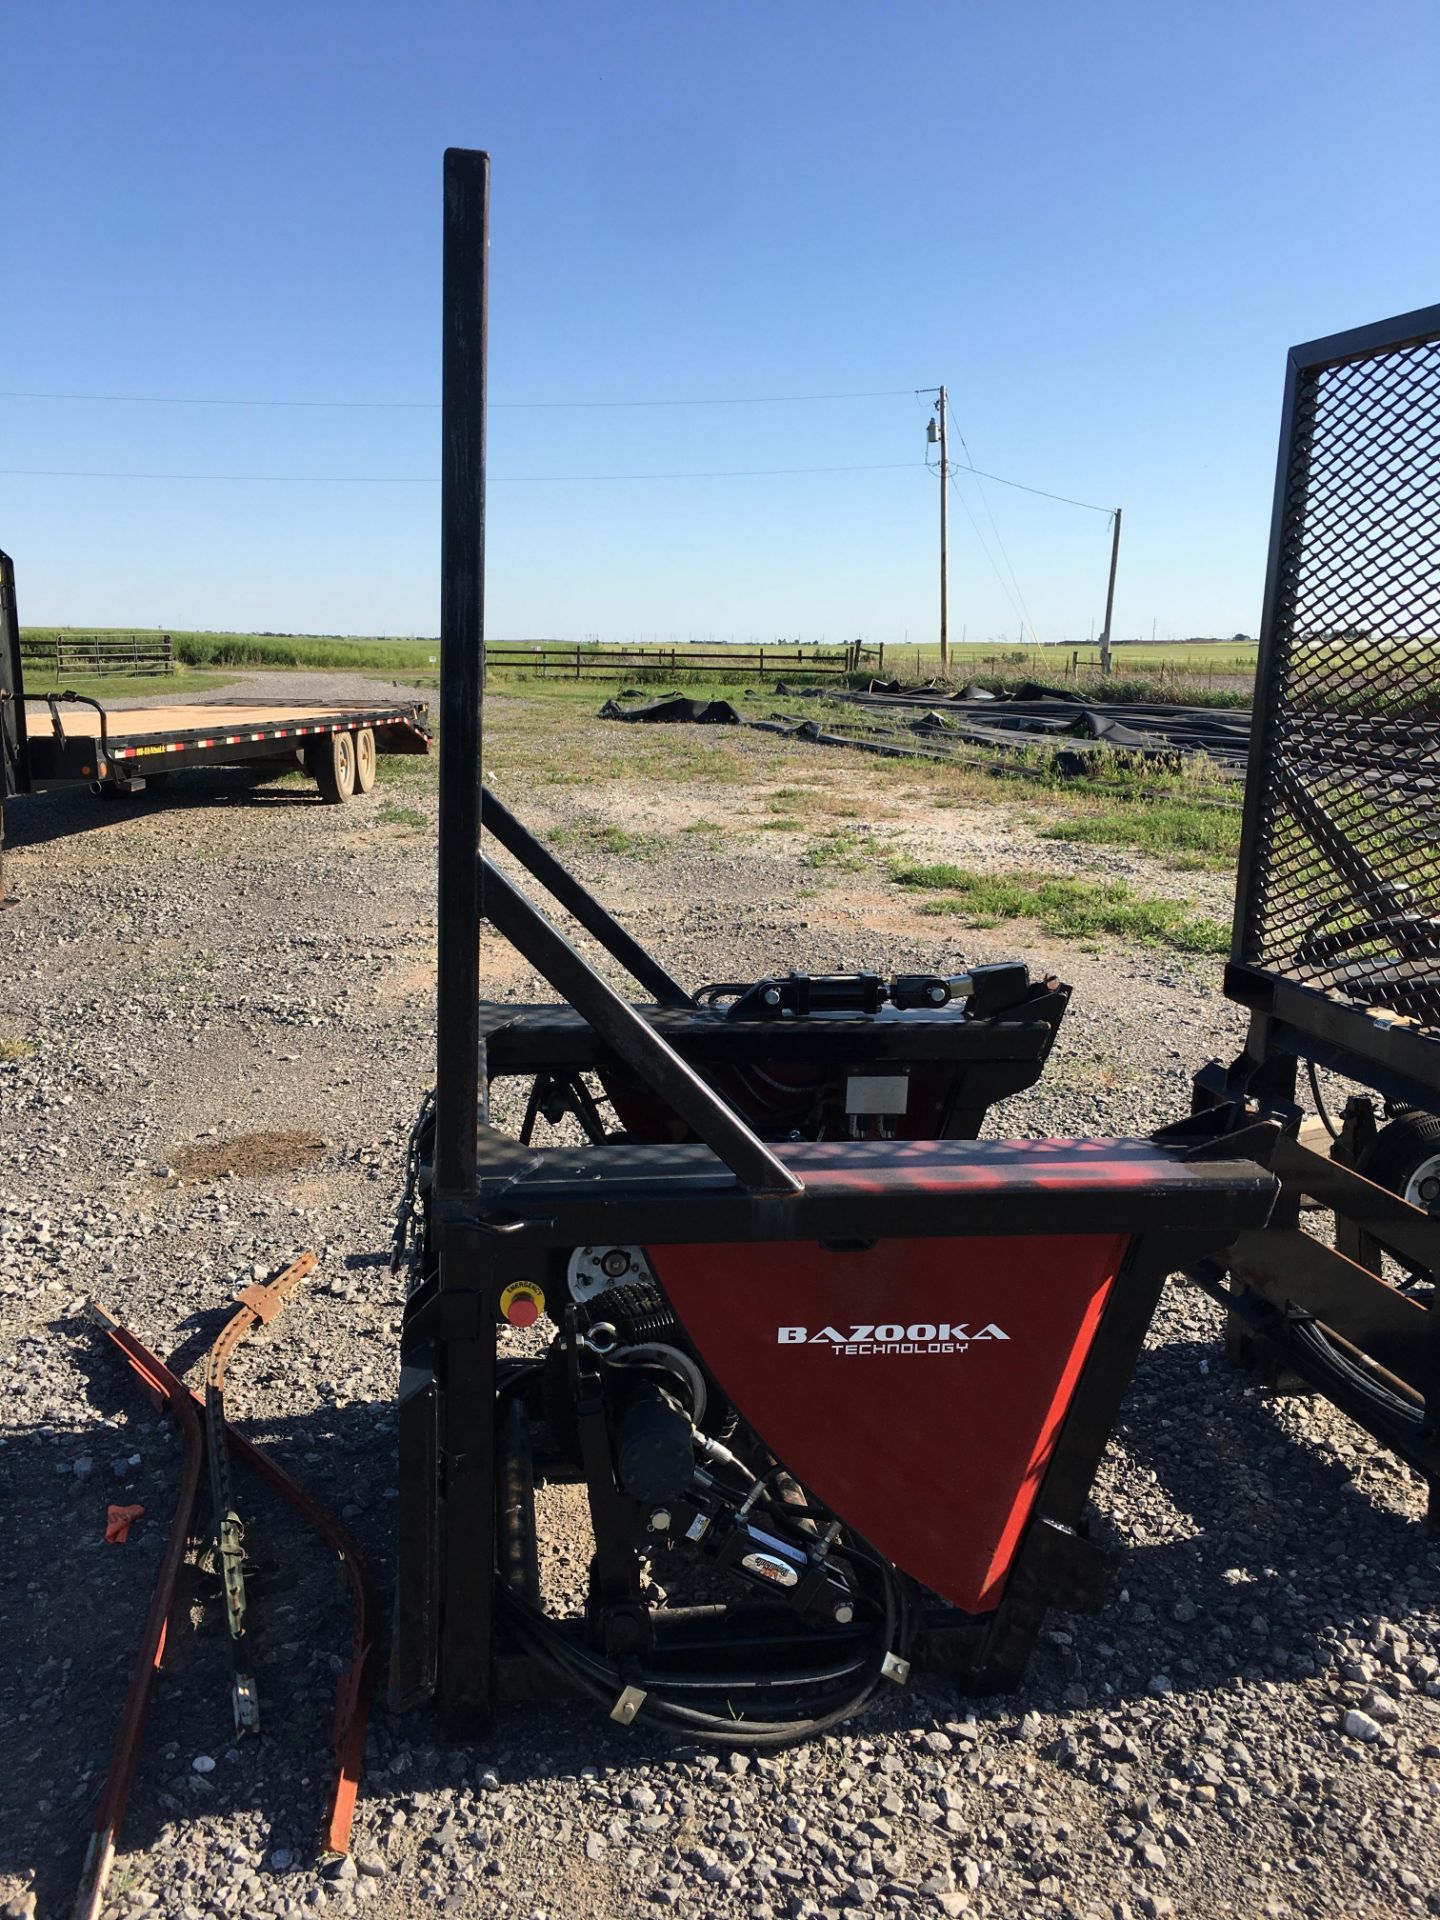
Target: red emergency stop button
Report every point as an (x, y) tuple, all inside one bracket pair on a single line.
[(522, 1303)]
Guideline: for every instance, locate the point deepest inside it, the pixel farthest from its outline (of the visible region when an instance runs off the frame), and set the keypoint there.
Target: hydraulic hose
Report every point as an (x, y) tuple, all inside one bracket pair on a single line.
[(809, 1694), (590, 1672)]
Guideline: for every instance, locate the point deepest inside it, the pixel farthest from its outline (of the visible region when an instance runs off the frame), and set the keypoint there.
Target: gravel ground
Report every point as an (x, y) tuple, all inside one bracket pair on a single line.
[(1252, 1725)]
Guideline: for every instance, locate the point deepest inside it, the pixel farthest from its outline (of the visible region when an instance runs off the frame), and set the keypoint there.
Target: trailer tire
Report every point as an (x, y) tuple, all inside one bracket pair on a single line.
[(364, 760), (334, 767), (1405, 1157)]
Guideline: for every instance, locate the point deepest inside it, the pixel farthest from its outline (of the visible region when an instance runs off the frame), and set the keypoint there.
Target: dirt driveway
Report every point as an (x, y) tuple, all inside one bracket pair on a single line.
[(237, 959)]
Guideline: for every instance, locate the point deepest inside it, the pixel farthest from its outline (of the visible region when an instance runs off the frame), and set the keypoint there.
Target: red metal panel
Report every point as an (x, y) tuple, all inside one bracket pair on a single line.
[(916, 1387)]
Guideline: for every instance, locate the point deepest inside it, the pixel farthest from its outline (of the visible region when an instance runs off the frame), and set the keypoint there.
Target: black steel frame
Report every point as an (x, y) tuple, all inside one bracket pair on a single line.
[(500, 1211), (14, 754), (1291, 1018), (14, 747), (580, 903), (1297, 1306), (655, 1196), (1313, 1315)]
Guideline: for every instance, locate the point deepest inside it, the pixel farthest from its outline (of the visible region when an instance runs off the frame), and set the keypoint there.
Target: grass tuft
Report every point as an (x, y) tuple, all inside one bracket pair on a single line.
[(711, 832), (1073, 909), (1210, 835), (391, 815), (609, 839), (838, 851)]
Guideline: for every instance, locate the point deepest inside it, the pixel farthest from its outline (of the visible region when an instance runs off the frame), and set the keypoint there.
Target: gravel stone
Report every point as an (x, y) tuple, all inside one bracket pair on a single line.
[(1360, 1726), (230, 960)]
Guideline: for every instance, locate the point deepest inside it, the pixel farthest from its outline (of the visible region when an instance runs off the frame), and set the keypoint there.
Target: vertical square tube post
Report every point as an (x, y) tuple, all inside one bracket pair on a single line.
[(465, 1370), (462, 665)]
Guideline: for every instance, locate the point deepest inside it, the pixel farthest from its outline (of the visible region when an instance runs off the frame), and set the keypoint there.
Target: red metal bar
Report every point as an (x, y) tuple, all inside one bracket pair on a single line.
[(172, 1393), (352, 1695)]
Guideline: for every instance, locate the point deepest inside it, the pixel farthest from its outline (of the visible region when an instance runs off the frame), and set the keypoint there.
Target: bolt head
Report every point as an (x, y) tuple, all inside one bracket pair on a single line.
[(844, 1613)]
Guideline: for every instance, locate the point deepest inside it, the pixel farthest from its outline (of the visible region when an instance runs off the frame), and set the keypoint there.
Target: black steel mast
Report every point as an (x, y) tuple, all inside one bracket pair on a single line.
[(462, 665)]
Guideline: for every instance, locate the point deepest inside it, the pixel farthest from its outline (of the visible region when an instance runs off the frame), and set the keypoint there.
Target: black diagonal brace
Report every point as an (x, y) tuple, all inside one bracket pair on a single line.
[(632, 1037), (558, 881)]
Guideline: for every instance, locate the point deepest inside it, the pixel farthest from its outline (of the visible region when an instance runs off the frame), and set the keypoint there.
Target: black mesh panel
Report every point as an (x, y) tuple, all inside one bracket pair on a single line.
[(1344, 883)]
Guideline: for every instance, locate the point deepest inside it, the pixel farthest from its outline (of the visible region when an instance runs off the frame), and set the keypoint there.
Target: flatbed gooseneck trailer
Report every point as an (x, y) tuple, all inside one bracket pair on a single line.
[(69, 739)]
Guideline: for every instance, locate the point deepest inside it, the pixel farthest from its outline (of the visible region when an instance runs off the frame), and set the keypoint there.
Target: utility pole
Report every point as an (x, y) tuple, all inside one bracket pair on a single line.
[(1110, 596), (944, 542), (936, 434)]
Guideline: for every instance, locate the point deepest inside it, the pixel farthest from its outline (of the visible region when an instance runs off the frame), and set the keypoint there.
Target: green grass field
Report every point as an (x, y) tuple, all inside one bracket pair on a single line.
[(276, 649), (40, 680), (1188, 818), (916, 661), (1182, 670), (1193, 673)]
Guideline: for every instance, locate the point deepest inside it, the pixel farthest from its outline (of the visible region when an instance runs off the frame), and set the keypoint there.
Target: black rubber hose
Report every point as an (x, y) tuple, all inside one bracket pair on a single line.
[(1319, 1099), (583, 1668), (1375, 1391), (588, 1671)]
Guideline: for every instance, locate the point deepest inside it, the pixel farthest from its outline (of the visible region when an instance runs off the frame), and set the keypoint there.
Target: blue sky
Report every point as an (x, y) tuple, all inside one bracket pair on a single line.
[(1101, 225)]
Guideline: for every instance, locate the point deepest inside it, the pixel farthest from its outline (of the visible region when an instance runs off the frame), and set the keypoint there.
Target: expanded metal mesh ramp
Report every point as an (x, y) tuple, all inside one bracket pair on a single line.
[(1339, 885)]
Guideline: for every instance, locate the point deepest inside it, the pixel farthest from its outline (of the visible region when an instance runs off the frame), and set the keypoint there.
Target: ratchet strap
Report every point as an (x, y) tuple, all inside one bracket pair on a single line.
[(258, 1305)]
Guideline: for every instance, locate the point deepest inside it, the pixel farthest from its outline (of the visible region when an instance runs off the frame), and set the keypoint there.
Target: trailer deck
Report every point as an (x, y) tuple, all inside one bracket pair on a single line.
[(70, 740)]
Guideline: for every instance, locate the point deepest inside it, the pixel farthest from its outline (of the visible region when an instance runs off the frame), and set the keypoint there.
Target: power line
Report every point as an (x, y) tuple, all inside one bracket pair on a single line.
[(999, 538), (427, 480), (433, 406), (984, 544), (1089, 505), (732, 400)]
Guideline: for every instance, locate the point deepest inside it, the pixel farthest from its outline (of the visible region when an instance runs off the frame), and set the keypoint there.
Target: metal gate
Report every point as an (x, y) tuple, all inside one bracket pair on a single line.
[(14, 754), (1339, 883)]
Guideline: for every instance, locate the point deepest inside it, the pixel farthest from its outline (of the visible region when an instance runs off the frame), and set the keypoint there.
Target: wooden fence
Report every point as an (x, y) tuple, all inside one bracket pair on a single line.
[(577, 661), (99, 653)]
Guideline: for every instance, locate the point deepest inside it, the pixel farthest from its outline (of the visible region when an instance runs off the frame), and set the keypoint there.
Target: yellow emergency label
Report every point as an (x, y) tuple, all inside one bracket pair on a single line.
[(522, 1303)]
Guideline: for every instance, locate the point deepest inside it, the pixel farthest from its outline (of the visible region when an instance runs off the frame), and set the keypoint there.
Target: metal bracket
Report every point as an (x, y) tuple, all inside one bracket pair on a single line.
[(628, 1705)]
